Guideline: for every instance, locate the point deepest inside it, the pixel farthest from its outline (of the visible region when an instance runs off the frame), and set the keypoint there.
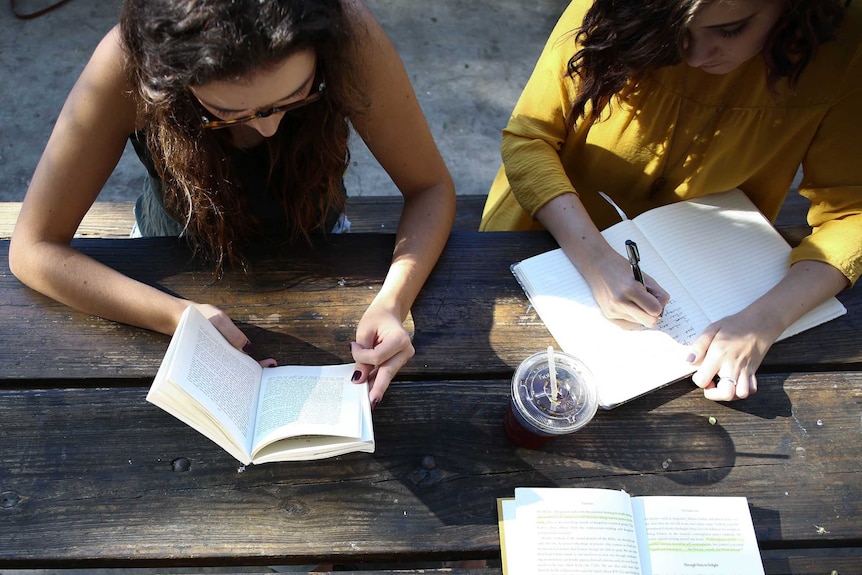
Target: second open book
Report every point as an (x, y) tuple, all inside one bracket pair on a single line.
[(714, 255), (260, 414), (545, 531)]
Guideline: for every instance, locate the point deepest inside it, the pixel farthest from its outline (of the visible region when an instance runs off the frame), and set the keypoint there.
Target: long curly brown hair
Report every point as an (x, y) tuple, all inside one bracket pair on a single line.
[(174, 44), (621, 41)]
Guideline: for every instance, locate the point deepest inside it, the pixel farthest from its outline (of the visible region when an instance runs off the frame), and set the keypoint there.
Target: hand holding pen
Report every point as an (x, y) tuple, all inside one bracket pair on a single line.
[(634, 258)]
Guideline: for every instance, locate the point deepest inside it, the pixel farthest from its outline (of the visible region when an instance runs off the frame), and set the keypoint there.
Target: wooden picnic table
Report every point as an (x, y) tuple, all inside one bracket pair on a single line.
[(93, 475)]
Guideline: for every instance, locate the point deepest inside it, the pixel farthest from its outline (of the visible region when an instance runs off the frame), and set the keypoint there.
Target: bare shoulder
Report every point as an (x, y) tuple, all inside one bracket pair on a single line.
[(357, 11), (366, 30), (105, 81), (109, 58)]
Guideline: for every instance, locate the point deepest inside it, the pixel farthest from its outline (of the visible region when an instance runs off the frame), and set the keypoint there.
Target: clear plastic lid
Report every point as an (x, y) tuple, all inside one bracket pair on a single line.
[(576, 399)]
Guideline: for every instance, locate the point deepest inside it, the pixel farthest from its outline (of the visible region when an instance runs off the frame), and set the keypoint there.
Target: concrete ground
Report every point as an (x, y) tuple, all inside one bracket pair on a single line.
[(468, 60)]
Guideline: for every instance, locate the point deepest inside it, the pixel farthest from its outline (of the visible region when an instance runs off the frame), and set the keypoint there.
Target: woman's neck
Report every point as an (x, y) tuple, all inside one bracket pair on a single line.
[(245, 138)]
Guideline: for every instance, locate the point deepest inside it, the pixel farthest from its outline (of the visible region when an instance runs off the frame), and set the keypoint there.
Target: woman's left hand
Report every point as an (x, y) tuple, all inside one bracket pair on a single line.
[(381, 348), (732, 349), (396, 132)]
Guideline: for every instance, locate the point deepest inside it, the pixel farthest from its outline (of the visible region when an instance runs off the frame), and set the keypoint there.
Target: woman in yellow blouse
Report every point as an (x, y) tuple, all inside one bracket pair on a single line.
[(658, 101)]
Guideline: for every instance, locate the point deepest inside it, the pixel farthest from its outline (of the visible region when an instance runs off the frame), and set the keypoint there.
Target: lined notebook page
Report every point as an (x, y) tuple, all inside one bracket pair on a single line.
[(683, 319), (625, 363), (725, 253)]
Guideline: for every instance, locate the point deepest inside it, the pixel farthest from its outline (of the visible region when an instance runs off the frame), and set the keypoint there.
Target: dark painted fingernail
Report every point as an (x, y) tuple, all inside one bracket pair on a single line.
[(247, 347), (375, 403), (356, 375)]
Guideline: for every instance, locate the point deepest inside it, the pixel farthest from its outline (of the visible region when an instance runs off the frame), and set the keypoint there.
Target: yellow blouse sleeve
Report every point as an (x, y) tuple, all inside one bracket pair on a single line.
[(832, 180), (537, 128)]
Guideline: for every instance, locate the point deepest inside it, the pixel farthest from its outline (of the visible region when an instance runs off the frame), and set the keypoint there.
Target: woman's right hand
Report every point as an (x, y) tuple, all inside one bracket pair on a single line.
[(225, 325), (230, 331), (621, 298)]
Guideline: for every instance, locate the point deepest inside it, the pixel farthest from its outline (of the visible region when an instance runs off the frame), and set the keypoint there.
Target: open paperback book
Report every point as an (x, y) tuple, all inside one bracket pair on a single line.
[(585, 531), (260, 414), (714, 255)]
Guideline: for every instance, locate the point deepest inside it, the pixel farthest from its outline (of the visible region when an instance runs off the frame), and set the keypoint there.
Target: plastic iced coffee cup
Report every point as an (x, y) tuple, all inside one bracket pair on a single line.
[(553, 394)]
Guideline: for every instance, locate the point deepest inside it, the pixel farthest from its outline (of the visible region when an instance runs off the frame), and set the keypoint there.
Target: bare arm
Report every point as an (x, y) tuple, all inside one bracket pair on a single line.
[(734, 347), (85, 146), (608, 274), (395, 130)]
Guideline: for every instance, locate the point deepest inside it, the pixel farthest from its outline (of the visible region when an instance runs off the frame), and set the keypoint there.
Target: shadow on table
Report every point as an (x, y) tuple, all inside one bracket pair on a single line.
[(287, 349), (448, 447), (770, 402), (647, 443), (457, 464)]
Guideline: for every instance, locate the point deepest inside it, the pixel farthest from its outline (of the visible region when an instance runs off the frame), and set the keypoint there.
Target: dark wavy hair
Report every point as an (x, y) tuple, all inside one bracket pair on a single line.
[(174, 44), (621, 41)]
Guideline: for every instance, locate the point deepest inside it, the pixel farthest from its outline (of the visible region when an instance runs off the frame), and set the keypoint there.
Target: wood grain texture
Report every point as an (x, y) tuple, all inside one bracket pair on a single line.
[(843, 561), (469, 321), (378, 214), (91, 474)]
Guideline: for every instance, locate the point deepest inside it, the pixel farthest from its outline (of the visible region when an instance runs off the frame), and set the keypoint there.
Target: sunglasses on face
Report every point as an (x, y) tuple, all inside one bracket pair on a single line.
[(317, 92)]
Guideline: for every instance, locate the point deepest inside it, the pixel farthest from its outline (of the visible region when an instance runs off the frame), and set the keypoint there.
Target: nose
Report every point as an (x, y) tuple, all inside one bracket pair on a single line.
[(698, 50), (267, 126)]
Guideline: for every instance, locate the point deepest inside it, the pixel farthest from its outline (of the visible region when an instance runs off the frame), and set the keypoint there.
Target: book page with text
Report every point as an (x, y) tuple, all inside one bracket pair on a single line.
[(222, 380), (725, 253), (577, 531), (308, 400), (626, 363), (696, 535)]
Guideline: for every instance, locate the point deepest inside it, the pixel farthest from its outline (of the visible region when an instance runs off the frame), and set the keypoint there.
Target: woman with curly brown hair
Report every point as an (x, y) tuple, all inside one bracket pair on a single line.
[(241, 112), (657, 101)]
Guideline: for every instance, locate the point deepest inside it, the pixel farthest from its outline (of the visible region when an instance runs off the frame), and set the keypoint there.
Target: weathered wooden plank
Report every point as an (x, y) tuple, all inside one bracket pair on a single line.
[(843, 561), (469, 320), (367, 214), (428, 568), (399, 570), (378, 214), (382, 213), (104, 220), (426, 571), (87, 474)]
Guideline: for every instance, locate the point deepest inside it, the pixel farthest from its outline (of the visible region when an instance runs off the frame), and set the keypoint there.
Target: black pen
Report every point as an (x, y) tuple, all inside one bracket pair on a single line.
[(634, 260)]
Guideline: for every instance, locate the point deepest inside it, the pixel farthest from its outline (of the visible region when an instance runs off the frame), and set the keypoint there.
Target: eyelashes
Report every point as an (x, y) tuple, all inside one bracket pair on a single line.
[(734, 32), (230, 114)]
